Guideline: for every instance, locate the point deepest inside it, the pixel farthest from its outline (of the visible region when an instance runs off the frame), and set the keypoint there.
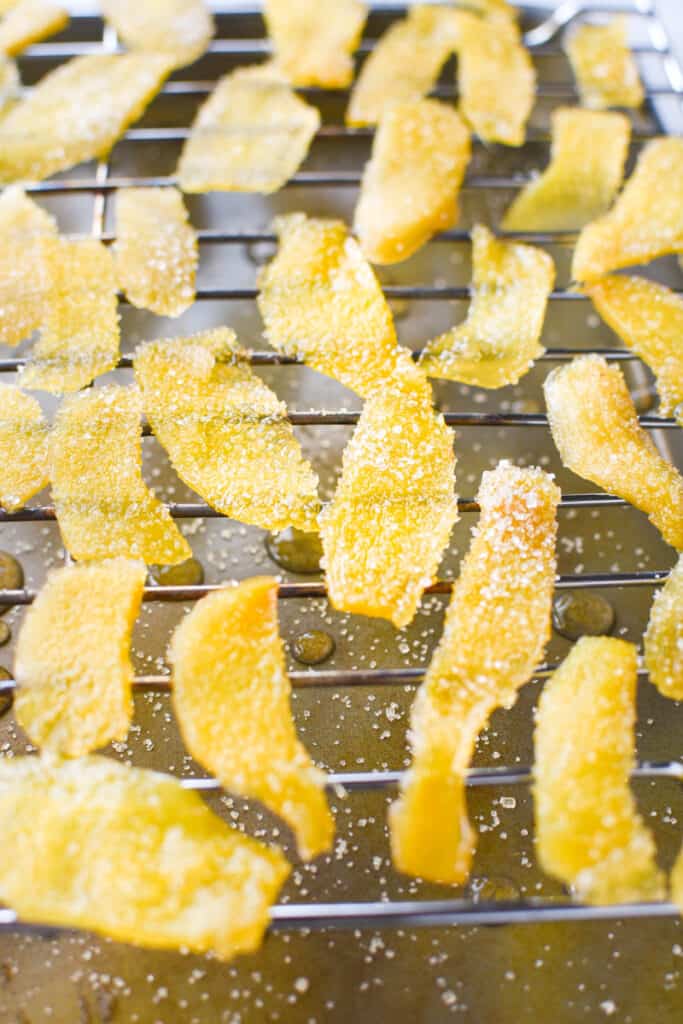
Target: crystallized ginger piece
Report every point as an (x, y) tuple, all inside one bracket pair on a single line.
[(663, 640), (605, 71), (28, 22), (23, 225), (226, 432), (587, 158), (182, 29), (313, 42), (129, 853), (588, 831), (499, 340), (23, 448), (104, 508), (231, 697), (497, 625), (595, 427)]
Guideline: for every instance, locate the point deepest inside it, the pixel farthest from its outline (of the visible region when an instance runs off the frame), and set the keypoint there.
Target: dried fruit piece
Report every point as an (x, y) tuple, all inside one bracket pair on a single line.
[(595, 427), (226, 432), (72, 665), (663, 640), (499, 340), (129, 853), (645, 222), (79, 339), (23, 448), (231, 697), (251, 135), (314, 42), (23, 225), (588, 831), (156, 250), (497, 625), (411, 182), (28, 22), (605, 71), (76, 113), (386, 528), (104, 507), (182, 29)]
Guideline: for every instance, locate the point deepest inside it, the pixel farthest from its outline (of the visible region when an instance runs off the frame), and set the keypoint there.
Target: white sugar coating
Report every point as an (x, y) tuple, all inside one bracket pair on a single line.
[(29, 21), (23, 225), (23, 448), (663, 640), (605, 69), (314, 42), (180, 28)]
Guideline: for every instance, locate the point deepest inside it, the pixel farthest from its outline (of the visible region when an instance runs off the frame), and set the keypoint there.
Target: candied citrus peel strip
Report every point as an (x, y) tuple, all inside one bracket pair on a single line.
[(595, 427), (500, 338), (411, 183), (251, 135), (10, 84), (23, 448), (663, 640), (231, 696), (605, 70), (104, 508), (180, 28), (156, 250), (587, 158), (314, 42), (497, 625), (23, 225), (588, 831), (28, 22), (129, 853), (226, 432), (645, 222), (72, 664)]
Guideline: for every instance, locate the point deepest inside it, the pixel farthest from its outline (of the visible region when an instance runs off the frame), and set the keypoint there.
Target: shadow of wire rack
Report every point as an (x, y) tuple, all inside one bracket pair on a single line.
[(332, 951)]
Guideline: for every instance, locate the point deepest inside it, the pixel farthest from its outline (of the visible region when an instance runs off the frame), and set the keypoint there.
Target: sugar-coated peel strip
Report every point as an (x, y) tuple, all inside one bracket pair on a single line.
[(231, 697), (226, 432), (130, 854), (587, 158), (104, 508), (23, 225), (251, 135), (648, 317), (663, 640), (500, 338), (497, 625), (77, 113), (72, 664), (386, 528), (321, 302), (605, 70), (23, 448), (29, 22), (156, 250), (10, 85), (595, 426), (180, 28), (314, 42), (410, 185), (645, 222), (79, 338), (588, 831)]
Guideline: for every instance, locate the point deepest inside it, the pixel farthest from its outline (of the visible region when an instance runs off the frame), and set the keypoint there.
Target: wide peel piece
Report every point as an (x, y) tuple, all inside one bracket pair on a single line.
[(588, 831), (181, 29), (23, 225), (231, 697), (28, 22), (497, 625), (605, 70), (663, 640), (314, 42), (23, 448)]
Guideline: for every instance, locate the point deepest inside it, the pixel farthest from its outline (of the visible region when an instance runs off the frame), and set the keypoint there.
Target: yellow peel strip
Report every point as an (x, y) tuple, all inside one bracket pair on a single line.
[(314, 42), (182, 29), (23, 448), (605, 70), (23, 225), (663, 640), (29, 22)]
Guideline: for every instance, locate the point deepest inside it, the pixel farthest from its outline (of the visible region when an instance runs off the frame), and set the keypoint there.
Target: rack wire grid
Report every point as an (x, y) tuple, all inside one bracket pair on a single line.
[(353, 712)]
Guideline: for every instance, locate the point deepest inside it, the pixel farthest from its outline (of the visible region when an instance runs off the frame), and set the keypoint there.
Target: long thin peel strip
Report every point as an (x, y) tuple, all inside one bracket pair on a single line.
[(497, 625), (79, 338), (663, 640), (129, 853), (156, 250), (77, 113), (29, 22), (587, 158), (500, 338), (595, 427), (251, 134), (231, 697), (72, 664), (23, 225), (23, 448), (104, 508), (226, 432), (588, 831), (410, 185), (604, 67), (314, 42), (182, 29)]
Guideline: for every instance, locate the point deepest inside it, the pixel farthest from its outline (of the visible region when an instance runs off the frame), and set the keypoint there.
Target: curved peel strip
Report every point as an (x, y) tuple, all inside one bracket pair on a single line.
[(410, 185), (497, 625), (663, 640), (181, 29), (72, 664), (499, 340), (23, 225), (231, 696), (595, 426), (587, 158), (588, 831), (226, 432), (23, 448), (251, 135), (605, 70), (130, 854), (314, 42), (104, 508), (28, 22)]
